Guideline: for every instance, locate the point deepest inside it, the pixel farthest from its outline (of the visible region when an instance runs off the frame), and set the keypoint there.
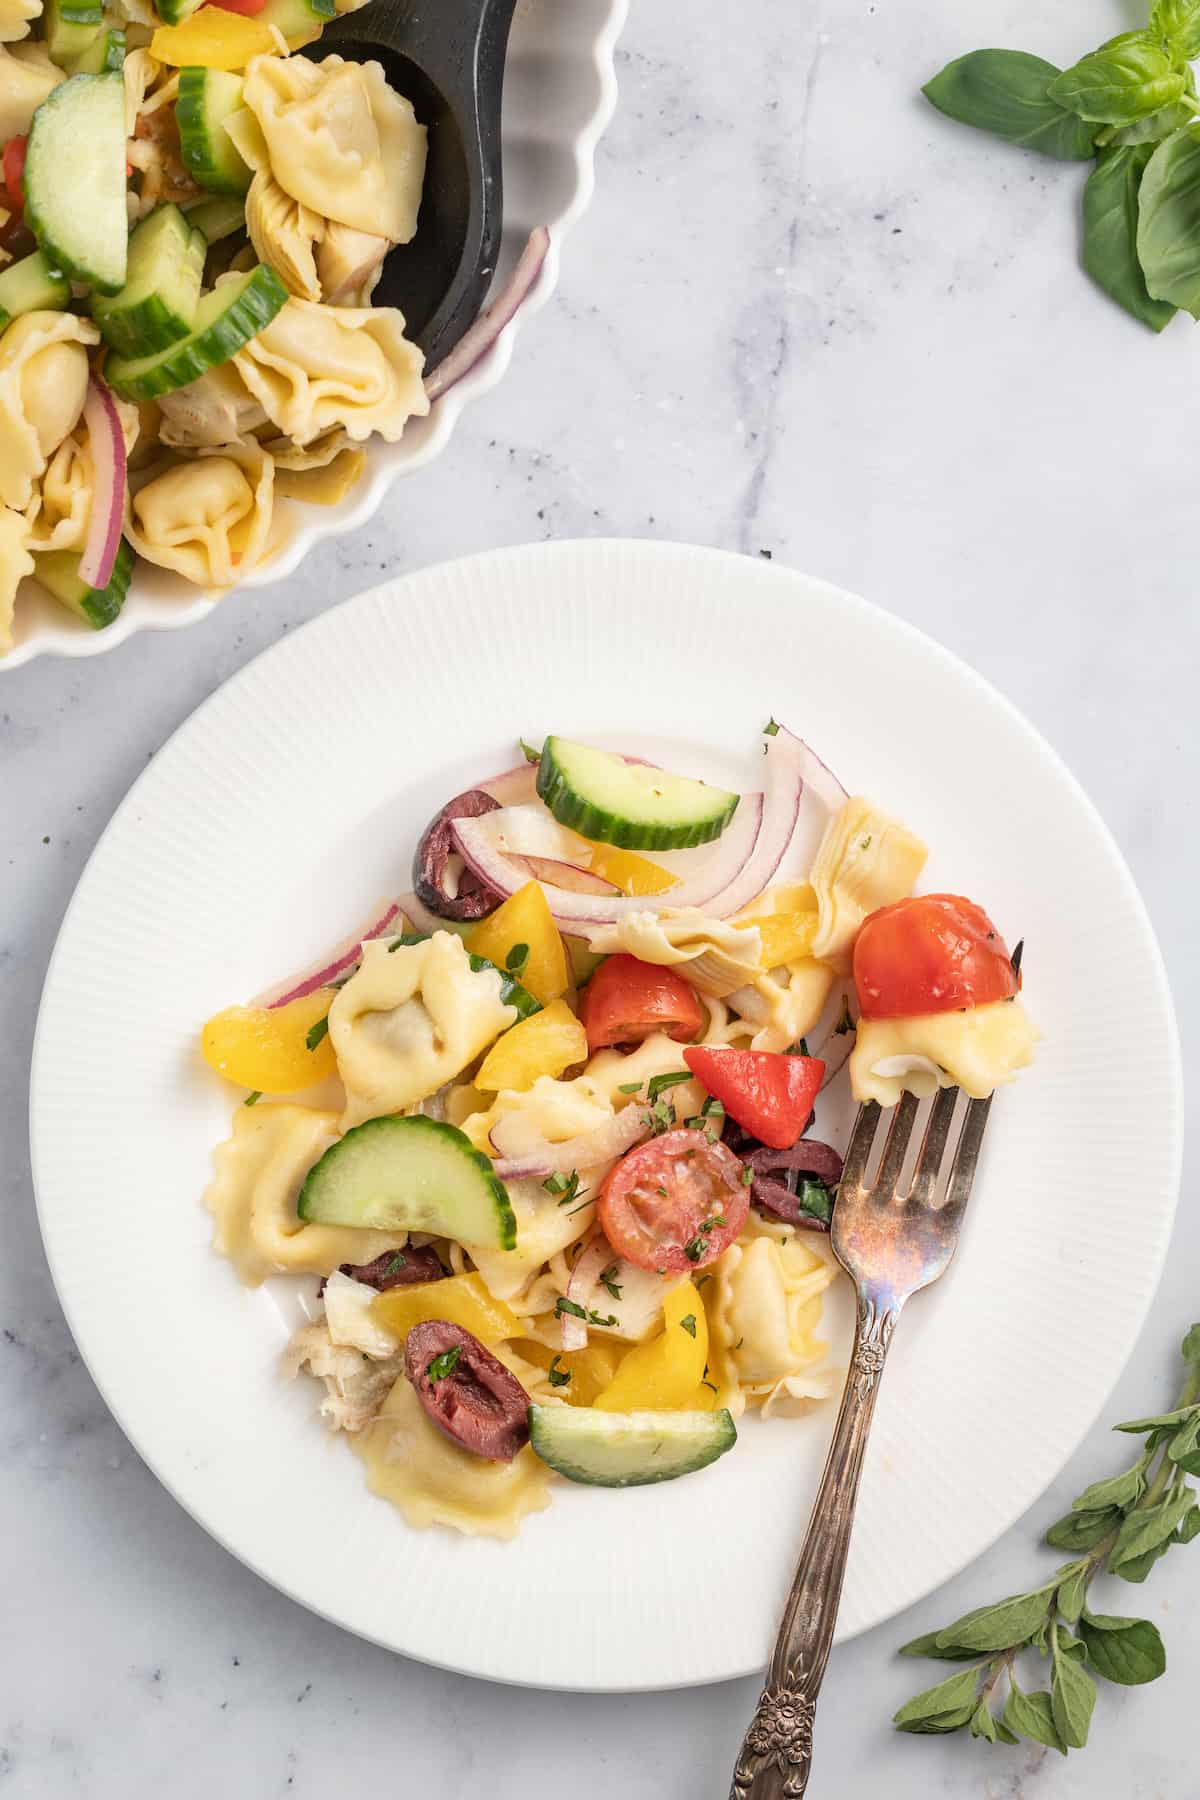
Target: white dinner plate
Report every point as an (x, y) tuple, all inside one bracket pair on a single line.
[(560, 91), (267, 828)]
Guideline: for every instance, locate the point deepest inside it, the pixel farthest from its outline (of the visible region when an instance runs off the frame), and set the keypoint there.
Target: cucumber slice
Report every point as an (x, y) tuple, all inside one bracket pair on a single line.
[(174, 12), (511, 991), (31, 285), (225, 320), (157, 305), (298, 18), (410, 1174), (207, 97), (611, 801), (217, 219), (58, 572), (71, 27), (105, 53), (603, 1449), (75, 179)]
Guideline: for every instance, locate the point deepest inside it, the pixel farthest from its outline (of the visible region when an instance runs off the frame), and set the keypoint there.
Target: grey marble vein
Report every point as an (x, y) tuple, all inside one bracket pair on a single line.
[(805, 317)]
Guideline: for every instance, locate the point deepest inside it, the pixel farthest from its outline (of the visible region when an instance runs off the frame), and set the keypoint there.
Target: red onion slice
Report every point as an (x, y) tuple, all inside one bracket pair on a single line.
[(568, 876), (106, 442), (820, 779), (475, 343), (512, 787), (337, 961), (596, 1255)]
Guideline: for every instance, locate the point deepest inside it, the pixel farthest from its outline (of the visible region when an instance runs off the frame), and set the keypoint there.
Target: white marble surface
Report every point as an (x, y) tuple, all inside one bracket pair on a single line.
[(804, 317)]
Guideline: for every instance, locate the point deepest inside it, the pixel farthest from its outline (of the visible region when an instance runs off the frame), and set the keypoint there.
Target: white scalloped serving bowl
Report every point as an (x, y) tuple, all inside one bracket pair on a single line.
[(560, 91)]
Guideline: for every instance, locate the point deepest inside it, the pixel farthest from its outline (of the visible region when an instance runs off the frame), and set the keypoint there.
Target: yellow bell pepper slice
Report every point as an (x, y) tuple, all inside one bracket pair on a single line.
[(213, 39), (462, 1299), (628, 872), (589, 1371), (544, 1044), (787, 921), (665, 1373), (525, 919), (266, 1048)]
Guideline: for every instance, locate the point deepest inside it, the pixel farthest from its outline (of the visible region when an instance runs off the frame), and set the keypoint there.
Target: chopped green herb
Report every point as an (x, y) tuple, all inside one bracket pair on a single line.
[(713, 1108), (629, 1087), (516, 959), (528, 752), (688, 1322), (406, 940), (563, 1305), (866, 843), (558, 1377), (607, 1279), (400, 1261), (800, 1048), (566, 1187), (739, 1343), (845, 1023), (815, 1198), (695, 1247), (770, 729), (747, 1177), (253, 1098), (318, 1032), (445, 1364), (554, 1184), (660, 1118), (659, 1082), (663, 1192)]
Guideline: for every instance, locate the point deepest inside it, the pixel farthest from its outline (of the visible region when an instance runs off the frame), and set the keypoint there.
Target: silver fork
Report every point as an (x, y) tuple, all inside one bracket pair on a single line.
[(891, 1245)]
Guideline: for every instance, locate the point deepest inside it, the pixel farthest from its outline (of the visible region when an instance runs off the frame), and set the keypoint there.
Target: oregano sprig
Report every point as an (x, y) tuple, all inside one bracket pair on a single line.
[(1121, 1527), (1131, 105)]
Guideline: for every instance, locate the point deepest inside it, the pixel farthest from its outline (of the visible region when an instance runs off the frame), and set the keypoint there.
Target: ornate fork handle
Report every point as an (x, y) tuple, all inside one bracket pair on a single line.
[(776, 1752)]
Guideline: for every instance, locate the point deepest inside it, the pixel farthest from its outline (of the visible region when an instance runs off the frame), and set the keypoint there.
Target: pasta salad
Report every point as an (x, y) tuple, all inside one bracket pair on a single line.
[(193, 220), (545, 1130)]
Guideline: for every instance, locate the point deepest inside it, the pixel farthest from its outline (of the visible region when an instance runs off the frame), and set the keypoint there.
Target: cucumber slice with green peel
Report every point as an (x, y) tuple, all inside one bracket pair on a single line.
[(105, 54), (174, 12), (31, 285), (603, 1449), (612, 801), (71, 27), (225, 320), (207, 97), (75, 180), (217, 219), (511, 991), (157, 305), (298, 18), (58, 572), (410, 1174)]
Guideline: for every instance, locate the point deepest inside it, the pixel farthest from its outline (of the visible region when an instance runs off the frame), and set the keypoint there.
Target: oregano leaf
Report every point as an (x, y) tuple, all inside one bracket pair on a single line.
[(1127, 1651), (1032, 1716), (1191, 1345), (1082, 1530), (1155, 1420), (947, 1700), (1072, 1595), (1072, 1700), (1004, 1734), (1186, 1442), (1138, 1567), (999, 1627), (1147, 1528), (927, 1645), (982, 1723), (1189, 1526), (1123, 1490)]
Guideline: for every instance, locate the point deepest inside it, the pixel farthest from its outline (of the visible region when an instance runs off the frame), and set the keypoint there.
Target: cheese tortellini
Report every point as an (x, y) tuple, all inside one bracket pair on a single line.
[(410, 1020), (60, 506), (209, 518), (15, 564), (717, 958), (16, 16), (259, 1173), (978, 1050), (764, 1312), (43, 385), (25, 82), (865, 861), (314, 367)]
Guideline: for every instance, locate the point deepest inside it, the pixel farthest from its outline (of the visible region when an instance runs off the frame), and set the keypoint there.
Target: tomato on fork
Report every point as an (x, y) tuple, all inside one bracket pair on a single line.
[(929, 954), (675, 1202)]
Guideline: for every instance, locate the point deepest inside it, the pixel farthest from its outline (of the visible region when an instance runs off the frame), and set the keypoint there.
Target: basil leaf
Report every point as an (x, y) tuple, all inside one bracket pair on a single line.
[(1158, 125), (948, 1700), (999, 1627), (1072, 1699), (982, 1723), (1179, 22), (1185, 1443), (1072, 1595), (1110, 228), (1191, 1345), (1007, 92), (1081, 1530), (1127, 1651), (928, 1646), (1144, 1531), (1122, 1490), (1126, 79), (1032, 1716), (1168, 247), (1189, 1527)]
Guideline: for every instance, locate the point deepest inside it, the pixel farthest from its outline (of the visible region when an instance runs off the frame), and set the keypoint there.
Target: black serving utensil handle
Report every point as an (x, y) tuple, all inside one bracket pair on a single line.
[(447, 57)]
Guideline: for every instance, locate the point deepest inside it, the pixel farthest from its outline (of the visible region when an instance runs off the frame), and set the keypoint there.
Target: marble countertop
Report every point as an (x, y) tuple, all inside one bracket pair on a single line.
[(804, 318)]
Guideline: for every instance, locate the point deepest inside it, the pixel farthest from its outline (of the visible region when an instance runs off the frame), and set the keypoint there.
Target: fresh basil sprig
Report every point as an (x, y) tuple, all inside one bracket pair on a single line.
[(1132, 105), (1122, 1526)]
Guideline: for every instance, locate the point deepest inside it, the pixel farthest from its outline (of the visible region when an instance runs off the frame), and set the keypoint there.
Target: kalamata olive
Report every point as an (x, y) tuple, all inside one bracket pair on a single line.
[(397, 1268), (474, 897), (470, 1396), (806, 1157)]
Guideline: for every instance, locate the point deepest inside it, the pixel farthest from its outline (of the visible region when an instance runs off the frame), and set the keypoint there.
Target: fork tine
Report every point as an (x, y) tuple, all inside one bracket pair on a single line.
[(966, 1158), (863, 1136), (933, 1147), (896, 1148)]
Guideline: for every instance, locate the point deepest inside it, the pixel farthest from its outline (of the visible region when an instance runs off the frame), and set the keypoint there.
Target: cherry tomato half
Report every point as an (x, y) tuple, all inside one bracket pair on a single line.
[(769, 1095), (933, 953), (627, 1000), (14, 172), (675, 1202)]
